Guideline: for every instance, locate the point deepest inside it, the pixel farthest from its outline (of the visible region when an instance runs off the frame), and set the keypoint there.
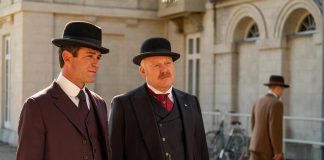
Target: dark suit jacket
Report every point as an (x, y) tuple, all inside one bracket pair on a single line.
[(49, 128), (134, 132), (266, 123)]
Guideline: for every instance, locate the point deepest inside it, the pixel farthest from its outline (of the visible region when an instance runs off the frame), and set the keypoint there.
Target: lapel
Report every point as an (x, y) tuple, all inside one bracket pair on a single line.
[(147, 123), (187, 121), (100, 112), (64, 103)]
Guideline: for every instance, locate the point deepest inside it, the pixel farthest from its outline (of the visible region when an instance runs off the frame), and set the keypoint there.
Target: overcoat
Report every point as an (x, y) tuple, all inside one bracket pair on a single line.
[(266, 123), (49, 128), (134, 133)]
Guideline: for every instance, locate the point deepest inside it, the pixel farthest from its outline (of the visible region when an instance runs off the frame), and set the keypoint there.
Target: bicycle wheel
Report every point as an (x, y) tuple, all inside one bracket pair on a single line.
[(211, 141), (245, 152), (235, 146), (215, 143)]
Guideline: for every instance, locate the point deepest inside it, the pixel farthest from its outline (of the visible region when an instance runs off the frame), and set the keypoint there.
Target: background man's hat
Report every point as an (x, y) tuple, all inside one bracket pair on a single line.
[(156, 46), (81, 34), (276, 80)]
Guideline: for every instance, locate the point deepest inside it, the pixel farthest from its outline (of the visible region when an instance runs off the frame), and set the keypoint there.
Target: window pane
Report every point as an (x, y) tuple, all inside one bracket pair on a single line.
[(197, 45), (7, 46), (197, 76), (253, 32), (190, 76), (308, 24), (7, 79), (190, 46)]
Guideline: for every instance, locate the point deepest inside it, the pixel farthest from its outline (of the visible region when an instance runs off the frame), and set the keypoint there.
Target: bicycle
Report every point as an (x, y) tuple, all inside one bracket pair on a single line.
[(236, 146)]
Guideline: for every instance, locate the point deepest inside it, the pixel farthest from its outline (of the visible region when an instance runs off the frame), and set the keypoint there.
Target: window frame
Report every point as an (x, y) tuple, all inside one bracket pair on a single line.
[(193, 51), (7, 81)]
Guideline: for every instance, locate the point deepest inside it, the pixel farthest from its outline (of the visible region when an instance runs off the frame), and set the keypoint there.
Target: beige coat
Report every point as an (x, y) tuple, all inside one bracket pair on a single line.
[(266, 123)]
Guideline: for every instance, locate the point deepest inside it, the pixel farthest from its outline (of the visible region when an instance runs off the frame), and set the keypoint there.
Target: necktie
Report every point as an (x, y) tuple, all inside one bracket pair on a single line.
[(164, 100), (83, 107)]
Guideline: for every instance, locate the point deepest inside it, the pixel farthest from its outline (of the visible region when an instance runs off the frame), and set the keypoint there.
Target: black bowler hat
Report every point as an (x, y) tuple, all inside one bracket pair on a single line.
[(82, 34), (156, 46), (276, 80)]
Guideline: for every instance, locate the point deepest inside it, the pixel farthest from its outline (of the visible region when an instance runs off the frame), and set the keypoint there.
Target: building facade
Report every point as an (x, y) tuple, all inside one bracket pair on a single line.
[(29, 62), (228, 48)]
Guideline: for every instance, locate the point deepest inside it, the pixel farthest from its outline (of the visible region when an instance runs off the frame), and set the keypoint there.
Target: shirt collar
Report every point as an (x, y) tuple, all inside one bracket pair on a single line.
[(159, 92), (68, 87), (270, 92)]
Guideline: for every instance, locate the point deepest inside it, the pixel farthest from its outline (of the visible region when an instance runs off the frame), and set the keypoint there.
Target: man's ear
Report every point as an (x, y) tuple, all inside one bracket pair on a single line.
[(141, 71), (66, 55)]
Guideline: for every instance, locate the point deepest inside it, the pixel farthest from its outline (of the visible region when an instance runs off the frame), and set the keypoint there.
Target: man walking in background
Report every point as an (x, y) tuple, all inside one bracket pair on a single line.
[(157, 121), (266, 122)]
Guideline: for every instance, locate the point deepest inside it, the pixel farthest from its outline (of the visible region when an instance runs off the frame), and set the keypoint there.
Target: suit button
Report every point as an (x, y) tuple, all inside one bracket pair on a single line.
[(163, 139), (84, 141)]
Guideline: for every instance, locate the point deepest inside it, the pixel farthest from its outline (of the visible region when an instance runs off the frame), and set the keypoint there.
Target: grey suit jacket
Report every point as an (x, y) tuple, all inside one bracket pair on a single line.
[(49, 128), (134, 132), (266, 123)]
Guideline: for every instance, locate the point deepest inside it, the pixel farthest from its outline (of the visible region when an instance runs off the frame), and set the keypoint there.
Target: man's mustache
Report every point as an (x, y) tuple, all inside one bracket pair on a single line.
[(165, 75)]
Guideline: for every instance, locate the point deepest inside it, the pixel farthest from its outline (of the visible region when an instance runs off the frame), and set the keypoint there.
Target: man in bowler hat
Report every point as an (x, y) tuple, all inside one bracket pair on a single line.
[(266, 122), (156, 121), (67, 121)]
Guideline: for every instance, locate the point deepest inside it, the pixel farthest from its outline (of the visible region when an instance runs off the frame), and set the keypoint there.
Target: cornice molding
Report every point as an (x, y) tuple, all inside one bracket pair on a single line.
[(55, 8)]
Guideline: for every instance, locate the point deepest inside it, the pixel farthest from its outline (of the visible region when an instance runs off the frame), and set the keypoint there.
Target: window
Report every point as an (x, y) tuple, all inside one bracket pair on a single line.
[(253, 32), (308, 24), (7, 81), (193, 63)]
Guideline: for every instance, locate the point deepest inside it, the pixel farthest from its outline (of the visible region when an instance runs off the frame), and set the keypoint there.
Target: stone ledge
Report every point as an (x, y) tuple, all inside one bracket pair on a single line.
[(78, 10), (8, 136)]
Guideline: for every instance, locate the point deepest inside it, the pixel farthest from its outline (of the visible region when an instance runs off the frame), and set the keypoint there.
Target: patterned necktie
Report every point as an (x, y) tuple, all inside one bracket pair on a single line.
[(83, 107), (163, 99)]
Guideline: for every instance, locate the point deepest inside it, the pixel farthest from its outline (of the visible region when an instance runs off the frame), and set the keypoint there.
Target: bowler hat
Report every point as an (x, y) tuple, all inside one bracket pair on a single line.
[(82, 34), (276, 80), (155, 46)]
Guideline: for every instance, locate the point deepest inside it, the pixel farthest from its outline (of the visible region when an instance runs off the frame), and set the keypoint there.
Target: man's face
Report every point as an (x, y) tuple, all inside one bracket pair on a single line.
[(82, 68), (278, 90), (158, 71)]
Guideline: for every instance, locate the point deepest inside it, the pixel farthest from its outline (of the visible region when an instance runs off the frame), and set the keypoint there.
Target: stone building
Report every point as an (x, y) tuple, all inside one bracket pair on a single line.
[(228, 47)]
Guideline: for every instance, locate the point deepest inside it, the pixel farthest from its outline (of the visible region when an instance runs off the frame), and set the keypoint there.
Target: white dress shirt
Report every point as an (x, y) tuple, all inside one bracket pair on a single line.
[(270, 92), (71, 89), (170, 95)]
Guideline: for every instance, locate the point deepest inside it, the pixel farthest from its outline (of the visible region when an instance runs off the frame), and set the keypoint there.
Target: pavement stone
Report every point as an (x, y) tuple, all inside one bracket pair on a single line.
[(7, 152)]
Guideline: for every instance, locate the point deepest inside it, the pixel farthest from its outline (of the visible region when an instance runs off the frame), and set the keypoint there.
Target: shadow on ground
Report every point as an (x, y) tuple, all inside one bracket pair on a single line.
[(7, 152)]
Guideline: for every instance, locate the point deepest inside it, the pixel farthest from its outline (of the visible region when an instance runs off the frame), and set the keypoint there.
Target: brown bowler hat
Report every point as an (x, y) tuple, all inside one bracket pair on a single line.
[(276, 80)]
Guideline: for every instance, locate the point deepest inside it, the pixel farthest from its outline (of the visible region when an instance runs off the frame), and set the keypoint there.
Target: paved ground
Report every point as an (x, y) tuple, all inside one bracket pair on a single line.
[(7, 152)]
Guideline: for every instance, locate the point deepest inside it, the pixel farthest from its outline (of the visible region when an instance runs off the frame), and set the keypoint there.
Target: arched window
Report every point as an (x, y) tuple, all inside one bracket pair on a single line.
[(308, 24), (253, 32)]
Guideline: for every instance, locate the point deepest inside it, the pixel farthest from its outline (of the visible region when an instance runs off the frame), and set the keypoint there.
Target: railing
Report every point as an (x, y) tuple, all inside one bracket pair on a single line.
[(286, 118)]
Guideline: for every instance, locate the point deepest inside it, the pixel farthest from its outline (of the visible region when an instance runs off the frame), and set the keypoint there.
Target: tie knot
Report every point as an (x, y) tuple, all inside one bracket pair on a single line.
[(162, 95), (81, 96)]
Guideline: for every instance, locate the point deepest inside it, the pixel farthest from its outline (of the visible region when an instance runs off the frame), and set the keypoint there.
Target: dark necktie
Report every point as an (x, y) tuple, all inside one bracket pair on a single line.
[(83, 107), (164, 100)]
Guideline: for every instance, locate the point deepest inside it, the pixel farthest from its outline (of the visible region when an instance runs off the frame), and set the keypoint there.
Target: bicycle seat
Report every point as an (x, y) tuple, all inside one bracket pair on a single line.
[(235, 123)]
